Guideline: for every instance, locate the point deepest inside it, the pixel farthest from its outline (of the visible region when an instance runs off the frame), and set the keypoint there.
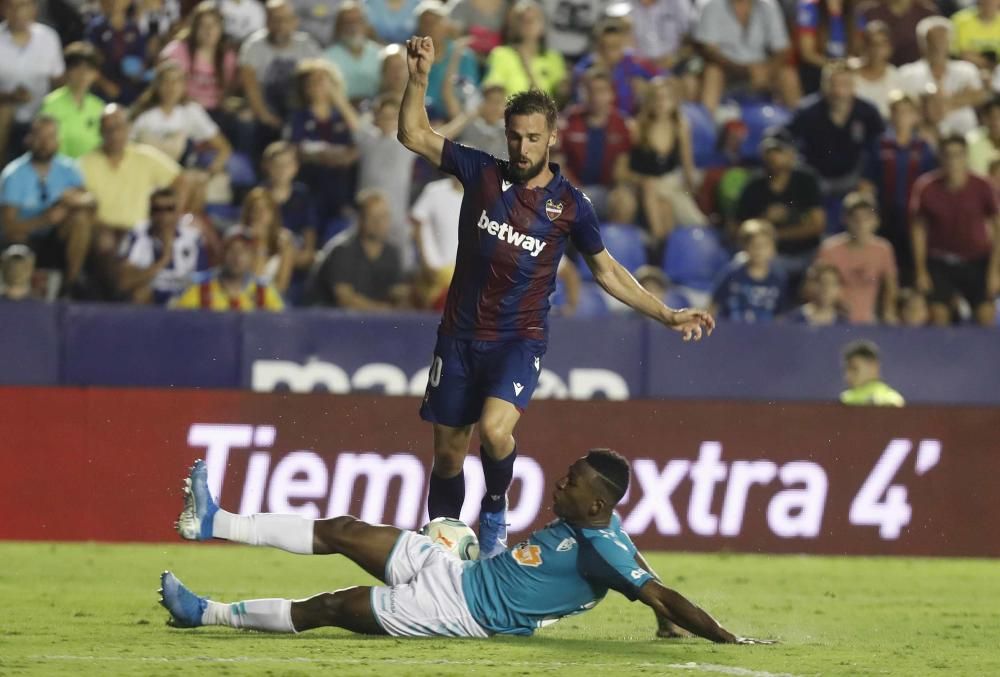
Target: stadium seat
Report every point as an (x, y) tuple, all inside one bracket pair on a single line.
[(759, 117), (694, 257), (241, 172), (592, 303), (703, 132), (625, 243)]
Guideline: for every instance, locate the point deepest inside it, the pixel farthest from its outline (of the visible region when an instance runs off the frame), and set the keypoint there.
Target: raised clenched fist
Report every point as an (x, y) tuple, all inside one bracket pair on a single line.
[(419, 56)]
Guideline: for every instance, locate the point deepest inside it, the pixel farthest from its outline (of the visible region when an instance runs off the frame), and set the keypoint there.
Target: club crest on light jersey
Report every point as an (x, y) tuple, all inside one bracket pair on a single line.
[(553, 209)]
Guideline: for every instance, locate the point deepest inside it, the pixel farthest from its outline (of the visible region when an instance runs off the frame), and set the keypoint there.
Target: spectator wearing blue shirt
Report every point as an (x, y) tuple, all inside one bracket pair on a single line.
[(459, 71), (611, 54), (753, 288), (392, 20), (837, 134), (825, 305), (43, 203), (321, 132), (293, 199)]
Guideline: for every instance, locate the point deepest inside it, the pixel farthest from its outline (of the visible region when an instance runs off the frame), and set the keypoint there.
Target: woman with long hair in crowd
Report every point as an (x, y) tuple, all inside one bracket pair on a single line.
[(823, 32), (166, 118), (524, 61), (203, 53), (321, 129), (661, 162), (274, 250)]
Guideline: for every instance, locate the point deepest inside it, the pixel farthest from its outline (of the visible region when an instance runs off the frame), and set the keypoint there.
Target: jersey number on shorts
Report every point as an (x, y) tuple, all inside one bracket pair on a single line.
[(528, 555), (435, 373)]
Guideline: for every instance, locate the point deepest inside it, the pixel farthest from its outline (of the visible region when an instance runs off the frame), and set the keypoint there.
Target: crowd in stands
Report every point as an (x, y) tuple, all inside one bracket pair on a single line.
[(804, 161)]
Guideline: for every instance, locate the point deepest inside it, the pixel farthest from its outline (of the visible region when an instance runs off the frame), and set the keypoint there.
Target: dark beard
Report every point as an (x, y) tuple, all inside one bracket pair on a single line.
[(42, 158), (518, 175)]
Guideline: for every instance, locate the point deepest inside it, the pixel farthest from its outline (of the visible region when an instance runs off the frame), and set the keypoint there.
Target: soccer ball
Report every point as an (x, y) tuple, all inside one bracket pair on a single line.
[(454, 536)]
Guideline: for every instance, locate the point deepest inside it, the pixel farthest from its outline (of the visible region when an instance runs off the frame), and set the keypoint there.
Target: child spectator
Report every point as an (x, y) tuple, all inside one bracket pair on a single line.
[(862, 374), (77, 111), (913, 310), (202, 52), (525, 61), (866, 264), (273, 244), (321, 130), (123, 49), (753, 288), (17, 268), (824, 285)]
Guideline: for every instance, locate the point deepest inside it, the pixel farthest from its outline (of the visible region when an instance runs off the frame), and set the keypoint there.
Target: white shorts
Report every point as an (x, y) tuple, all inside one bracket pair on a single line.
[(424, 597)]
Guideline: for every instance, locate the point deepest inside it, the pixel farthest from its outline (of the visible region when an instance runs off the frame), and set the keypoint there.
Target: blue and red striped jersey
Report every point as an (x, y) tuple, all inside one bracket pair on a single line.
[(510, 240)]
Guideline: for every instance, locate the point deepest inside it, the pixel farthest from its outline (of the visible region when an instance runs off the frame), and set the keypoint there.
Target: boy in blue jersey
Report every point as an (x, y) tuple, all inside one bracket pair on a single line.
[(516, 218), (561, 570)]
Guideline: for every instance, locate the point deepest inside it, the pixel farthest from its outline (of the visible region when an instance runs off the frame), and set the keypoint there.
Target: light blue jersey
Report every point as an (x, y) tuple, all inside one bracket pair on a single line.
[(559, 571)]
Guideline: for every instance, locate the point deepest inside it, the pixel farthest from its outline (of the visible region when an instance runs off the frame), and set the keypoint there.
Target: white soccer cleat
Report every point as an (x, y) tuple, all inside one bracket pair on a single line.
[(195, 520)]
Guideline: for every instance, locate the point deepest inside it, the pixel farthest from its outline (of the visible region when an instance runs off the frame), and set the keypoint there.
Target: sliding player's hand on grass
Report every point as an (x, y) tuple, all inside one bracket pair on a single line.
[(693, 324), (751, 640)]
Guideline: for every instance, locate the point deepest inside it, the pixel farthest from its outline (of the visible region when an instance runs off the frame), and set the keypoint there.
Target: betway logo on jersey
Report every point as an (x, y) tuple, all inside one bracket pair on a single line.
[(504, 233)]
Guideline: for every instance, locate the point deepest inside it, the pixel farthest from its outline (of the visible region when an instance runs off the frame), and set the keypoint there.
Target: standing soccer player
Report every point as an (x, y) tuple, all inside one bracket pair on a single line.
[(514, 223)]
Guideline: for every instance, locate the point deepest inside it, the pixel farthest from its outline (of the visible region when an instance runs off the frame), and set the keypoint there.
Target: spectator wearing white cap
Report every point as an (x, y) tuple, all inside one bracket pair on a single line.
[(17, 266)]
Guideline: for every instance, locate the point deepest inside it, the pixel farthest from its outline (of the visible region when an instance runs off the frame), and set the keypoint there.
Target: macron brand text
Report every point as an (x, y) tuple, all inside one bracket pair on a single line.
[(504, 233)]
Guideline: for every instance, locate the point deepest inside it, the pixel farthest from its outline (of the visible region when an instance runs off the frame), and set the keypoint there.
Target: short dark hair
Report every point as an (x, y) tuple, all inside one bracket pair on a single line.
[(954, 140), (162, 193), (77, 53), (858, 200), (613, 470), (529, 102), (866, 350)]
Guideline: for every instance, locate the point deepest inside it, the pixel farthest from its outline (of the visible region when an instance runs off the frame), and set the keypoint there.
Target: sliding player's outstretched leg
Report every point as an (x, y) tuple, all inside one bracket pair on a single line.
[(368, 545), (349, 609)]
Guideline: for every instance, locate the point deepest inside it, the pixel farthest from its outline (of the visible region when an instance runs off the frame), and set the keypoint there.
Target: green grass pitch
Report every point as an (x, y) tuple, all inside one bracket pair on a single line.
[(91, 609)]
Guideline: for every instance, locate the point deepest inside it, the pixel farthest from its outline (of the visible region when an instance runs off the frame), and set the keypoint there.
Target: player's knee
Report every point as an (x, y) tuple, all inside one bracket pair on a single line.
[(494, 434), (448, 462)]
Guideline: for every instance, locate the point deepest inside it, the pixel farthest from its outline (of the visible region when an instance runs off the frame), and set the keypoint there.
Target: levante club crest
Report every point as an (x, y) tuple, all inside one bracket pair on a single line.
[(553, 209)]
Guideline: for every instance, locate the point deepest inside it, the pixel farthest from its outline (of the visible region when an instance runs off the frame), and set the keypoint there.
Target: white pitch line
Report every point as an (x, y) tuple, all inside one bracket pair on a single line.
[(696, 667)]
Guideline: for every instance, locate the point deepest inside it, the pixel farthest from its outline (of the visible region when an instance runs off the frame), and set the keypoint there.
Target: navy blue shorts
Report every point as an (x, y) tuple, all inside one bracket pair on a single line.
[(465, 372)]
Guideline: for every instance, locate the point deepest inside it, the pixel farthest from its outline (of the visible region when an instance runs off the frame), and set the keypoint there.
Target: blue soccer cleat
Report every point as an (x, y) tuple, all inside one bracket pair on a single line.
[(195, 521), (492, 533), (185, 607)]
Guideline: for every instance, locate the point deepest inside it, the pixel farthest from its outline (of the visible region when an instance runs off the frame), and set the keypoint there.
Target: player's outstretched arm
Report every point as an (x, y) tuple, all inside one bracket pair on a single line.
[(678, 609), (414, 127), (617, 281)]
